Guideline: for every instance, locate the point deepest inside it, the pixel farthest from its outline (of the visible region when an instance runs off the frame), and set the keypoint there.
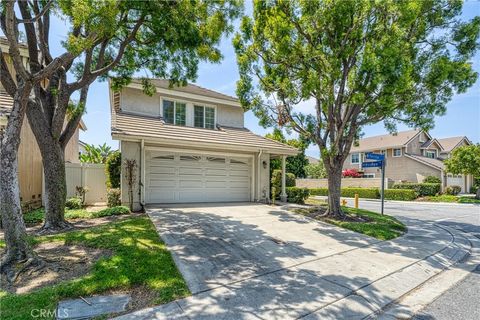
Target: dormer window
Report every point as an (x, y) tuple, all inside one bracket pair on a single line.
[(431, 154), (174, 112), (204, 117)]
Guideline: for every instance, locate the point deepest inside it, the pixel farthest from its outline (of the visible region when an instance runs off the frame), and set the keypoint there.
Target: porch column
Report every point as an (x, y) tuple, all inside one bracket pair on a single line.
[(283, 195)]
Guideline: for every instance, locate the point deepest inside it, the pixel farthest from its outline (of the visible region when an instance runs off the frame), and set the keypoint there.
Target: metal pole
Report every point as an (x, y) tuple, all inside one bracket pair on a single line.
[(383, 184)]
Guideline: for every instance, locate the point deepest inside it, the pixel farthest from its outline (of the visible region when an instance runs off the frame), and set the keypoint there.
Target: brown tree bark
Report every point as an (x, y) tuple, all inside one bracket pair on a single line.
[(478, 194), (334, 176)]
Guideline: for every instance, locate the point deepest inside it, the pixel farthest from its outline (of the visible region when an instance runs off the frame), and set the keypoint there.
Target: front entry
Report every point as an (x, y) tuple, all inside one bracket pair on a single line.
[(173, 177)]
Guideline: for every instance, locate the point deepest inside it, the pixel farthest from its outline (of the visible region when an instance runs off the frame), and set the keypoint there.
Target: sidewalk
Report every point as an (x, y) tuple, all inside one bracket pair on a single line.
[(349, 284)]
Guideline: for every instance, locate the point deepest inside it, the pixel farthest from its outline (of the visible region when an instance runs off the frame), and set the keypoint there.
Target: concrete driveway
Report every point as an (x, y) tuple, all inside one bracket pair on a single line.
[(252, 261)]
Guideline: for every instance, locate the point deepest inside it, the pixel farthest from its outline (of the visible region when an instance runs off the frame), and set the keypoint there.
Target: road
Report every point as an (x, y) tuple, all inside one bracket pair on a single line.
[(460, 301)]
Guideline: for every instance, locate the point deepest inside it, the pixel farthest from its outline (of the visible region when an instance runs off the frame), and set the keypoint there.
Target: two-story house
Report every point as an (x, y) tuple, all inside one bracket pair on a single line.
[(411, 156), (190, 145), (30, 168)]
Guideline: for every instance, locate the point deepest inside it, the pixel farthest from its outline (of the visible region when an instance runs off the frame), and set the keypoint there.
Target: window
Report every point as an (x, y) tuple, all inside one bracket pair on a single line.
[(204, 117), (384, 152), (397, 152), (355, 158), (431, 154), (174, 112), (369, 175)]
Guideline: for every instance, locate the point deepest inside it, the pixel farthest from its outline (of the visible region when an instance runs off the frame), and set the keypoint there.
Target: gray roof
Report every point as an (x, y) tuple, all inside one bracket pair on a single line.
[(449, 144), (189, 88), (385, 141), (436, 163)]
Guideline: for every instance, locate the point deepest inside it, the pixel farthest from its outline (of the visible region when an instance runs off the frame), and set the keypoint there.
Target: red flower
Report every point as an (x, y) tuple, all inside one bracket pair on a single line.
[(350, 173)]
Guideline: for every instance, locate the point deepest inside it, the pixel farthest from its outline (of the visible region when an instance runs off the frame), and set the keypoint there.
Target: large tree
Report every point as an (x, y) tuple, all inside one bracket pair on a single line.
[(356, 63), (465, 160), (105, 38), (115, 38)]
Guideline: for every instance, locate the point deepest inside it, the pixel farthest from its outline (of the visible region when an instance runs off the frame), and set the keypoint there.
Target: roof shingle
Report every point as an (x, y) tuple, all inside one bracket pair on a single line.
[(385, 141)]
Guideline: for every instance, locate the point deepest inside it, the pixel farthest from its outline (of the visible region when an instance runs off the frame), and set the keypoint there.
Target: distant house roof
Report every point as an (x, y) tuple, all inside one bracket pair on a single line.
[(189, 89), (398, 140), (6, 104), (312, 160), (449, 144), (434, 163)]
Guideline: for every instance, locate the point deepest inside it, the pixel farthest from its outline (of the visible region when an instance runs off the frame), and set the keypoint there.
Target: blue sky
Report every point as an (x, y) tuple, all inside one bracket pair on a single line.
[(461, 119)]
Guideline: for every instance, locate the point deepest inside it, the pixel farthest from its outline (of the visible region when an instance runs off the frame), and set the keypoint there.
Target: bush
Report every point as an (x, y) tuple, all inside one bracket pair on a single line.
[(453, 190), (297, 195), (114, 211), (74, 203), (401, 194), (422, 189), (350, 173), (432, 179), (367, 193), (113, 168), (276, 182), (473, 189), (113, 198)]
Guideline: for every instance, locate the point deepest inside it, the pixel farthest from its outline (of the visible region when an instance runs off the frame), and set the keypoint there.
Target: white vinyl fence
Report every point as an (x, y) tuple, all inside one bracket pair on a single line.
[(89, 175)]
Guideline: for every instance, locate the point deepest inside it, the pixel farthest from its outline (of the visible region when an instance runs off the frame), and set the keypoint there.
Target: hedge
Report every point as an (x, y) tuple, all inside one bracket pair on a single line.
[(297, 195), (367, 193), (276, 182), (401, 194), (422, 189)]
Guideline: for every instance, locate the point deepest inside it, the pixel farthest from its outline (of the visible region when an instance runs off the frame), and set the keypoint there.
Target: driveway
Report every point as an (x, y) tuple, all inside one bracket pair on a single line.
[(245, 261)]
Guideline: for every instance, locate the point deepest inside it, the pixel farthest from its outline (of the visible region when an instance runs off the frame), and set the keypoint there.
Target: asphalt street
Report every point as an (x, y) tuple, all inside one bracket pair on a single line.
[(462, 300)]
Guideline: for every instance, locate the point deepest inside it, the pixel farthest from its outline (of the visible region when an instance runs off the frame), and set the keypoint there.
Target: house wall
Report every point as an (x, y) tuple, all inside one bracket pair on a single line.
[(399, 168), (135, 101)]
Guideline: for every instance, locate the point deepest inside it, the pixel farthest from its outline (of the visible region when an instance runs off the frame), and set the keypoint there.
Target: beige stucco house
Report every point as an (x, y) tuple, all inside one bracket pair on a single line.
[(30, 168), (411, 156), (190, 145)]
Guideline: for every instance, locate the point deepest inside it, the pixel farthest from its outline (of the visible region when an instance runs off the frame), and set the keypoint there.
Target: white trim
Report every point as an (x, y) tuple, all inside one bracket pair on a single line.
[(372, 175), (198, 151), (175, 101), (187, 95), (204, 106), (393, 152), (351, 158)]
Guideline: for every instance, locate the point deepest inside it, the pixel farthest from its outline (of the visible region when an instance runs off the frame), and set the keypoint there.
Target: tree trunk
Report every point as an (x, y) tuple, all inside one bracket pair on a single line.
[(478, 194), (15, 234), (53, 157), (334, 176)]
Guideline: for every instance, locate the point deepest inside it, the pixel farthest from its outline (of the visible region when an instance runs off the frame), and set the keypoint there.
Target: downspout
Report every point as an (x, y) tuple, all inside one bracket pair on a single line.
[(141, 190), (258, 175)]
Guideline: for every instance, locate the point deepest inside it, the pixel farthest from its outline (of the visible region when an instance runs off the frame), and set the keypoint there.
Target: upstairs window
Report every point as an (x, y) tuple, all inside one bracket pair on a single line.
[(431, 154), (397, 152), (355, 158), (204, 117), (174, 112)]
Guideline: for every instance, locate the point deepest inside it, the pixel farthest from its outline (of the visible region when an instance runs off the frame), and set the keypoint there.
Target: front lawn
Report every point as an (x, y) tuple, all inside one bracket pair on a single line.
[(382, 227), (139, 259), (450, 199), (37, 215)]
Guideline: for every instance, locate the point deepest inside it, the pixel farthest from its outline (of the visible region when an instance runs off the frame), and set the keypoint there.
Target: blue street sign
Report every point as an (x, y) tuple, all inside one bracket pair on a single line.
[(372, 164), (374, 156)]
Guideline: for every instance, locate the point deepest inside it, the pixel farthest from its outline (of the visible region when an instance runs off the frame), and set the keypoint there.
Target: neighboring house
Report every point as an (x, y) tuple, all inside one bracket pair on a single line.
[(190, 145), (312, 160), (411, 156), (30, 169), (81, 147)]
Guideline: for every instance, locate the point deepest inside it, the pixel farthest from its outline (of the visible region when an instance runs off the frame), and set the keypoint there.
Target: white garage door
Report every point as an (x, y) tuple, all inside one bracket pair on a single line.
[(456, 180), (178, 178)]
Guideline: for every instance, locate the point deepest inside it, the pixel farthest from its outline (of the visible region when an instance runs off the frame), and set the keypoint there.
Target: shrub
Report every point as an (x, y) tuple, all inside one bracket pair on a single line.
[(318, 192), (432, 179), (473, 189), (277, 182), (113, 198), (401, 194), (367, 193), (350, 173), (453, 190), (74, 203), (422, 189), (113, 168), (297, 195), (34, 216), (114, 211)]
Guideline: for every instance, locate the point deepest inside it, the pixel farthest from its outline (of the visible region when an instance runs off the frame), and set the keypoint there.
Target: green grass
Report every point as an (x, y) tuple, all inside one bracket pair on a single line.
[(382, 227), (37, 216), (450, 198), (139, 258)]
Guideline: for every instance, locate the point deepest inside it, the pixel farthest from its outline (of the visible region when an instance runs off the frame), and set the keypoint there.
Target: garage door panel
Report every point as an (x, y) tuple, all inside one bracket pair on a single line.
[(196, 178)]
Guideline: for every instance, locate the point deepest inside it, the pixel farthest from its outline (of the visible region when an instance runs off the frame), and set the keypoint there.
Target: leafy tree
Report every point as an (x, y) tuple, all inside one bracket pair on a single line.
[(356, 63), (95, 154), (465, 160), (294, 164), (315, 170), (105, 38), (113, 168)]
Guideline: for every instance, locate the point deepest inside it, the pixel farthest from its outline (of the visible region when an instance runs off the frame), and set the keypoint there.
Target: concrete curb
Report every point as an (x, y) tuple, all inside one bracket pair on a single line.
[(471, 205)]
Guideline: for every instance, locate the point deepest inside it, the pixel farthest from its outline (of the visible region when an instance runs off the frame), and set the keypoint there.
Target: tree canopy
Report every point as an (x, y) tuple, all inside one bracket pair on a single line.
[(465, 160)]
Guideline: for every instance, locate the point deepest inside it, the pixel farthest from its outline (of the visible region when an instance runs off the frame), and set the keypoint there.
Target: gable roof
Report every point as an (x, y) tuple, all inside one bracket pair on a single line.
[(449, 144), (164, 85), (428, 143), (434, 163), (384, 141)]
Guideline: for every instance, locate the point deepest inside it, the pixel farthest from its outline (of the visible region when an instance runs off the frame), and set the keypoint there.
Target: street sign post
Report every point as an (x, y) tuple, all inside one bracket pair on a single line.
[(379, 162)]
